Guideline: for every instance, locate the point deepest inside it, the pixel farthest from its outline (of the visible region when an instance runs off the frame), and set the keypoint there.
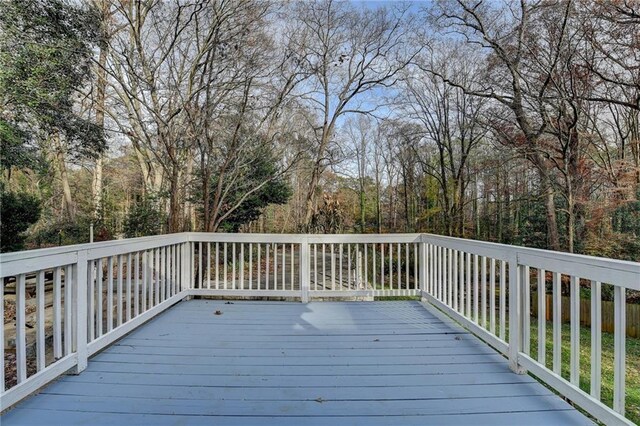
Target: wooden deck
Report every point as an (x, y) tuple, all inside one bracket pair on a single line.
[(369, 363)]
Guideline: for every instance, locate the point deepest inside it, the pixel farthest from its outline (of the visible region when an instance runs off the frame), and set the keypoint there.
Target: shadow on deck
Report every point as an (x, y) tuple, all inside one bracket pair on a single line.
[(369, 363)]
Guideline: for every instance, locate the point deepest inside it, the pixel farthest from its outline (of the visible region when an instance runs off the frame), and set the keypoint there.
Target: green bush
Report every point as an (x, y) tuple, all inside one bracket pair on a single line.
[(18, 212), (69, 232), (145, 218)]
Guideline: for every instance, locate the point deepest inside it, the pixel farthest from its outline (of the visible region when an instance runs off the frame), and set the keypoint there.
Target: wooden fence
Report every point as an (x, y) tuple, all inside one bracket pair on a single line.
[(632, 311)]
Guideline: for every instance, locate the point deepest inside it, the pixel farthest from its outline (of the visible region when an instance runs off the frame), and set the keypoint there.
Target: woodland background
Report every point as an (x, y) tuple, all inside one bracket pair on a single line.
[(516, 122)]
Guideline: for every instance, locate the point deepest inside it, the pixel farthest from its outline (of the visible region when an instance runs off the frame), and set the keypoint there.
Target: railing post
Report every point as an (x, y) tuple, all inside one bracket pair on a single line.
[(305, 273), (185, 266), (515, 314), (422, 265), (81, 315)]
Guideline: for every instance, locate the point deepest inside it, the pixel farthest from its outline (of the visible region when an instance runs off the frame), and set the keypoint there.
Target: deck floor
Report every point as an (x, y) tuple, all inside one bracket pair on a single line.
[(329, 363)]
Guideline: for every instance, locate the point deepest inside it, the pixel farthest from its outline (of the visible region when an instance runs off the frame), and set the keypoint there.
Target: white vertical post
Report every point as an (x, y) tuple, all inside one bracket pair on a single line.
[(315, 266), (242, 266), (259, 266), (275, 266), (98, 302), (324, 269), (460, 256), (492, 296), (468, 292), (574, 376), (406, 265), (526, 309), (364, 283), (284, 266), (483, 290), (266, 268), (57, 312), (542, 316), (92, 302), (515, 317), (136, 287), (128, 296), (416, 286), (119, 291), (233, 265), (109, 294), (151, 276), (503, 299), (333, 268), (340, 256), (208, 265), (292, 251), (452, 280), (200, 278), (557, 324), (374, 269), (167, 274), (358, 283), (381, 266), (476, 290), (251, 266), (348, 265), (80, 323), (185, 269), (437, 272), (390, 266), (218, 265), (2, 335), (423, 269), (21, 335), (224, 264), (40, 319), (68, 309), (596, 339), (192, 264), (143, 292), (619, 350), (305, 274), (398, 265)]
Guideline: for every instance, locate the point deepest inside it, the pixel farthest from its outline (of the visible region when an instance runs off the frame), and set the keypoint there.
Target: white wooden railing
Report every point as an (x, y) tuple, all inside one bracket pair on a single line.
[(102, 291)]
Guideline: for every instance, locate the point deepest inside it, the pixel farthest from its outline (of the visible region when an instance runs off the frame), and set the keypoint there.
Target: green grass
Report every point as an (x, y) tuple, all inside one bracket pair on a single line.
[(632, 367)]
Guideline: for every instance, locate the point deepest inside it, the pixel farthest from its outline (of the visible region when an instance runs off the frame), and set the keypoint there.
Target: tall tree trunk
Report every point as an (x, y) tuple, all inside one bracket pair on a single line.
[(174, 201), (189, 211), (499, 206), (407, 213), (362, 208), (206, 194), (69, 206), (96, 183), (571, 223), (311, 195), (378, 202), (550, 210), (96, 187)]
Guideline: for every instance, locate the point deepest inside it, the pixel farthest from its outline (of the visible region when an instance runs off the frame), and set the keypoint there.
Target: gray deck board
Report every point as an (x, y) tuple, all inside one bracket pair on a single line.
[(325, 363)]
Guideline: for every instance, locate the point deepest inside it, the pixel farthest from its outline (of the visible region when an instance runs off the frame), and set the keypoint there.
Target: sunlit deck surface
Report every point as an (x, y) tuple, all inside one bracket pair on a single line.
[(368, 363)]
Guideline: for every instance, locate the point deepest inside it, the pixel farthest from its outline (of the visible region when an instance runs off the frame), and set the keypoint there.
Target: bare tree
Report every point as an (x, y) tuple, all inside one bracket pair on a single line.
[(450, 125), (347, 53), (507, 36)]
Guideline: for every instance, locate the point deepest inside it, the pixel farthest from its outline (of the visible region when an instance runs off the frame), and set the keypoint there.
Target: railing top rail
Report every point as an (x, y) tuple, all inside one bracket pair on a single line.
[(32, 260), (308, 238), (619, 272)]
